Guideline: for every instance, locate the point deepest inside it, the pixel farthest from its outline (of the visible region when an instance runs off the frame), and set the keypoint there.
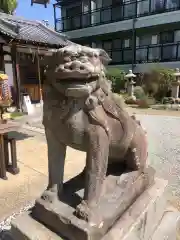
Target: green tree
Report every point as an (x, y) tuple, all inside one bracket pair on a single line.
[(158, 82), (117, 77), (8, 6)]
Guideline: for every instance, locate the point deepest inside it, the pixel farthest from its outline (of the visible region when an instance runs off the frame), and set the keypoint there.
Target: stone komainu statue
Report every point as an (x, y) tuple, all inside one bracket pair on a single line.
[(81, 112)]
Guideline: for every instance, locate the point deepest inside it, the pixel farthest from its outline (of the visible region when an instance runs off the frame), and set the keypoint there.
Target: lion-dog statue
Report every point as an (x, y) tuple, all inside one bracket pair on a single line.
[(81, 112)]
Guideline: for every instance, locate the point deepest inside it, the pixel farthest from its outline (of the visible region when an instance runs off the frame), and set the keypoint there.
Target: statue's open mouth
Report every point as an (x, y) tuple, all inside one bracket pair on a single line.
[(75, 87)]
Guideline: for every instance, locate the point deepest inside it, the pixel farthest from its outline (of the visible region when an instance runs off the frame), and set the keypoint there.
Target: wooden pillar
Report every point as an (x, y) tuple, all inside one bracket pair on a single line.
[(15, 67), (39, 76)]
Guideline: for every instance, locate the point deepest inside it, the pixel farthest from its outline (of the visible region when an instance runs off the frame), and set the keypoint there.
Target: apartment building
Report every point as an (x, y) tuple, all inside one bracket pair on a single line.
[(137, 34)]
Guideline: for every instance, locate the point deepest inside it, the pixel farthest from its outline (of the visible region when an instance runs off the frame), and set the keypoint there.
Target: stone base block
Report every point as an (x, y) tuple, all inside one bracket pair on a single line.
[(139, 222), (168, 229), (142, 218), (120, 193)]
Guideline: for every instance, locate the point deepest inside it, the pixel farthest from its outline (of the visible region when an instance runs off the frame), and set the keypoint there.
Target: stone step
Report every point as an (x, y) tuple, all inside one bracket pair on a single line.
[(26, 228), (168, 229)]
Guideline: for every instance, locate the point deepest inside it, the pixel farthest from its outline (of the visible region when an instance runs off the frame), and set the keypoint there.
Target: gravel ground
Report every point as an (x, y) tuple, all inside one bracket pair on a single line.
[(164, 153), (164, 148)]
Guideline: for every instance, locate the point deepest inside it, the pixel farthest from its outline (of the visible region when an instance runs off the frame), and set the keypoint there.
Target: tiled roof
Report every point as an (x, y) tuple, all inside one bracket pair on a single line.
[(35, 31)]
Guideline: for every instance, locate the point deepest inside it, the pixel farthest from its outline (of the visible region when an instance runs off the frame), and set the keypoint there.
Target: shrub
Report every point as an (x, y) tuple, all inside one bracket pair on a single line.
[(139, 92), (157, 82), (160, 80), (117, 77)]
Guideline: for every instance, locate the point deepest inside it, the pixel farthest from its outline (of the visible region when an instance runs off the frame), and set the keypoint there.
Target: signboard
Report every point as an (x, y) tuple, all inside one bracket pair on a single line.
[(27, 105)]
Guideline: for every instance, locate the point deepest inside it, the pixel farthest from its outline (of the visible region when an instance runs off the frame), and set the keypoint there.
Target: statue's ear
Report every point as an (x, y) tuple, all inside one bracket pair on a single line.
[(105, 59)]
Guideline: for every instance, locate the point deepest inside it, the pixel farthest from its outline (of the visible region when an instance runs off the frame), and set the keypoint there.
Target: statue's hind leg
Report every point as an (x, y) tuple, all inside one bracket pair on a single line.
[(137, 153)]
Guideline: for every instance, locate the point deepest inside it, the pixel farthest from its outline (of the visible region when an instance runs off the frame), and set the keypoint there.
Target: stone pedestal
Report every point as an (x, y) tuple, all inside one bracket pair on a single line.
[(175, 91), (131, 89), (148, 217)]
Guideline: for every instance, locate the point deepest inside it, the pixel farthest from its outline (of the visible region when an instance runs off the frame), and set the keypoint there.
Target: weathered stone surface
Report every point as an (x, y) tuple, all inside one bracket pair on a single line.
[(141, 219), (59, 216), (138, 223), (168, 228), (80, 111)]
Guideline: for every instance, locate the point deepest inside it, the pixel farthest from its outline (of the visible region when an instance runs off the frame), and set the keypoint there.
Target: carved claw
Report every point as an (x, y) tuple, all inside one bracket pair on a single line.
[(82, 211), (87, 214), (49, 196)]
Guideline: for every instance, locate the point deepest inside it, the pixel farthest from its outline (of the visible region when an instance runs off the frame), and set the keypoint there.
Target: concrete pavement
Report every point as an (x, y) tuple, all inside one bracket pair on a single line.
[(21, 189)]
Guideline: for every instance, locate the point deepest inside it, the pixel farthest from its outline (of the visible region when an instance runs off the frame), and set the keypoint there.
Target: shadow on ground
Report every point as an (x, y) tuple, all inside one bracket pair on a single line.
[(19, 135), (6, 235)]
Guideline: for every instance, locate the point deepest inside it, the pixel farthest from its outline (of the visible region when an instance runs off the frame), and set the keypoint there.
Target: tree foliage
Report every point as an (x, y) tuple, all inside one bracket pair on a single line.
[(157, 82), (8, 6), (117, 77)]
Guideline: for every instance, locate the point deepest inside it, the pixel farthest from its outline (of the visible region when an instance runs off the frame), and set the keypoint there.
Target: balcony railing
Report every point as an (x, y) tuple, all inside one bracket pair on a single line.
[(147, 54), (114, 13)]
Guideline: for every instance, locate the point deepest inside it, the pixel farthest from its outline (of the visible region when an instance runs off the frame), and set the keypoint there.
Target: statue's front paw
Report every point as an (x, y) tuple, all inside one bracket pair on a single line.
[(49, 196), (89, 215), (82, 211)]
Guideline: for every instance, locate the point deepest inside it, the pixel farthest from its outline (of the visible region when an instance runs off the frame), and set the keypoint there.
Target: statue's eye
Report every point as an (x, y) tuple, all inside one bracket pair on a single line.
[(82, 67)]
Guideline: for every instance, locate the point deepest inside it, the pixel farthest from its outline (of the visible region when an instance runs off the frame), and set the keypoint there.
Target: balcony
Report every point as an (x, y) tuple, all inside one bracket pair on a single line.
[(158, 53), (147, 54), (115, 13)]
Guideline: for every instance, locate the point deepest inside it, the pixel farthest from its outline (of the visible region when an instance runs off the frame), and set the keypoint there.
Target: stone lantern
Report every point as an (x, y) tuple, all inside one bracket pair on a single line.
[(175, 84), (130, 83)]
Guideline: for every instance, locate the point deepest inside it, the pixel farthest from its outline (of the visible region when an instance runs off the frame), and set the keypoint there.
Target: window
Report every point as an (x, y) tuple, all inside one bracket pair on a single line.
[(117, 13), (144, 40), (157, 5), (73, 11), (74, 20), (143, 7), (129, 8), (106, 15), (106, 3), (127, 43), (116, 56), (167, 37), (117, 2), (95, 18), (107, 46), (154, 39), (117, 44), (172, 4), (177, 36), (86, 17), (98, 44), (86, 5)]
